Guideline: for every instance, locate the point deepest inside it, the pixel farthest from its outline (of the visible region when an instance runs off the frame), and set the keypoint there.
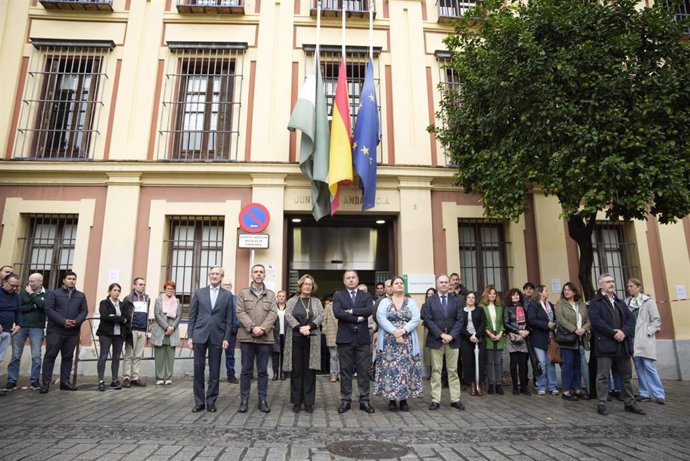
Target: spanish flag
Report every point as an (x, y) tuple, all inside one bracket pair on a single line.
[(340, 154)]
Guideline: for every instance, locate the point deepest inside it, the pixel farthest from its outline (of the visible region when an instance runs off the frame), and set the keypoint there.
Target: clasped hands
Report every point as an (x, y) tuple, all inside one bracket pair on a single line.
[(399, 335), (305, 330), (446, 338), (619, 336), (69, 323)]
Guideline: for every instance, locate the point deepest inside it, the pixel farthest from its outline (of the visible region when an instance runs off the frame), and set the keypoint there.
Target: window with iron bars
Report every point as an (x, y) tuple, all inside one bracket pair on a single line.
[(63, 100), (48, 247), (356, 60), (483, 254), (453, 8), (613, 254), (194, 245), (682, 10), (449, 83), (201, 103)]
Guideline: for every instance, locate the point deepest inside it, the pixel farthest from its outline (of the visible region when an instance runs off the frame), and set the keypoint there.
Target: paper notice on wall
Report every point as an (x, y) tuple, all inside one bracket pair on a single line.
[(681, 292), (270, 284), (113, 275), (555, 285)]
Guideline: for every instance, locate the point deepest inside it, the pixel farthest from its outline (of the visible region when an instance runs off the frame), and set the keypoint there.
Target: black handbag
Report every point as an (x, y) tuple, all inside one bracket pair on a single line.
[(565, 337)]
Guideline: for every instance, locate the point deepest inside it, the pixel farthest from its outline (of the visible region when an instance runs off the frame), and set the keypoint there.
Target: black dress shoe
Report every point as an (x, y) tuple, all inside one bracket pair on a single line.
[(602, 410), (392, 406), (67, 387), (263, 406), (101, 386), (275, 377), (309, 408), (283, 376), (44, 389), (635, 408), (233, 380), (499, 389), (434, 406), (244, 406), (211, 408), (296, 408), (404, 406), (457, 405), (344, 406), (366, 406), (198, 408)]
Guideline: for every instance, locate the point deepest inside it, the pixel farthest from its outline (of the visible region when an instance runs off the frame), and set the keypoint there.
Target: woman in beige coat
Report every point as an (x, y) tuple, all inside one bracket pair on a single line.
[(572, 315), (330, 330), (302, 355), (165, 334)]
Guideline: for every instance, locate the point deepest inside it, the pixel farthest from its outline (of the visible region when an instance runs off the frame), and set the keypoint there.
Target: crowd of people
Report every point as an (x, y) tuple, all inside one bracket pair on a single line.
[(371, 340)]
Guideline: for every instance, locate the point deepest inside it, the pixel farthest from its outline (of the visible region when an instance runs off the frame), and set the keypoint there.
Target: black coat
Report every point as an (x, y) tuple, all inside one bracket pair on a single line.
[(479, 321), (538, 323), (603, 327), (109, 319), (61, 305), (437, 323), (348, 327)]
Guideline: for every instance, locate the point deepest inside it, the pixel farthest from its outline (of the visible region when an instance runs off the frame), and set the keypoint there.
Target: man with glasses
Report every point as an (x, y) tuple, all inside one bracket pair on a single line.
[(614, 327), (10, 313), (32, 301), (136, 305)]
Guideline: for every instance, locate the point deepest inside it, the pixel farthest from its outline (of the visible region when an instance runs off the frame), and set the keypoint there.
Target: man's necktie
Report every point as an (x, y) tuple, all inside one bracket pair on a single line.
[(353, 294), (444, 303)]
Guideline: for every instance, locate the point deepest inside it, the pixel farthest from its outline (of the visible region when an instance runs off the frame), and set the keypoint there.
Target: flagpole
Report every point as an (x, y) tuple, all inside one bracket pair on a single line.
[(318, 29), (371, 30), (343, 31)]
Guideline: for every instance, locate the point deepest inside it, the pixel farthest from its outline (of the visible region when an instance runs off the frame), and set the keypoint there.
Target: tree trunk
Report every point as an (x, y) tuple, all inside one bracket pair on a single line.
[(581, 232)]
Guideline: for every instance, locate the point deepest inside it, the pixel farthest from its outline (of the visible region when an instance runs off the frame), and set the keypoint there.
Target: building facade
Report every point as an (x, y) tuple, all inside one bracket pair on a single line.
[(134, 132)]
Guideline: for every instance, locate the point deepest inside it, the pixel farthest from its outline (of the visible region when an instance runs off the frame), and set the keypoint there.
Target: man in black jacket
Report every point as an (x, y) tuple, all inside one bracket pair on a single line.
[(66, 310), (614, 327)]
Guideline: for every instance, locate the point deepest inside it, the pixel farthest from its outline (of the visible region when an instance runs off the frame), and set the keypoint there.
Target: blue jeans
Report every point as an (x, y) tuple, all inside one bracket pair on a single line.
[(549, 371), (230, 357), (35, 341), (571, 371), (648, 378), (5, 338)]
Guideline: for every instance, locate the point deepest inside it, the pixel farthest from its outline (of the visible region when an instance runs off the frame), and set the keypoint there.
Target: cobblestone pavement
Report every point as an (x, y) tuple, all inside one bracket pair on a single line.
[(156, 423)]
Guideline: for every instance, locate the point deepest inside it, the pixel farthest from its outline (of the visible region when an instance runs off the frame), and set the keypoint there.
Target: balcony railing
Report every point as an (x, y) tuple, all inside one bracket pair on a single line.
[(210, 6), (334, 8), (452, 9), (84, 5)]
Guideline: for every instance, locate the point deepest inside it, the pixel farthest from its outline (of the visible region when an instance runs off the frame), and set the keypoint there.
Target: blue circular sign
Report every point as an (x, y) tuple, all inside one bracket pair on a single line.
[(254, 218)]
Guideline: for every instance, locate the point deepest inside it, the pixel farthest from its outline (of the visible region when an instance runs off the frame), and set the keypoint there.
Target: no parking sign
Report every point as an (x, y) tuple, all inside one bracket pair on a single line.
[(254, 218)]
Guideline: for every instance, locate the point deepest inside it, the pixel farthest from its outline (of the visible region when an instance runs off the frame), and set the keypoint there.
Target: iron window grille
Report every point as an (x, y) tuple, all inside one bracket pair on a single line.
[(353, 8), (63, 100), (449, 82), (483, 254), (76, 5), (452, 9), (48, 247), (613, 253), (202, 102), (682, 11), (356, 59), (194, 244), (210, 6)]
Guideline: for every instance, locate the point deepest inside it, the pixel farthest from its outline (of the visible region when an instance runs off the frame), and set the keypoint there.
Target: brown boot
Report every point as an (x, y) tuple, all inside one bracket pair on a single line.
[(479, 390), (473, 389)]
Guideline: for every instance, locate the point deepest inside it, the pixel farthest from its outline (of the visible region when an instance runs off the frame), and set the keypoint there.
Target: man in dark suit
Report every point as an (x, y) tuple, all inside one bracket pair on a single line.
[(352, 307), (614, 327), (210, 326), (442, 315)]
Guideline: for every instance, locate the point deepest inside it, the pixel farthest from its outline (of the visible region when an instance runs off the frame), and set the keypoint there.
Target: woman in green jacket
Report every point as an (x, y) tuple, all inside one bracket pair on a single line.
[(495, 340)]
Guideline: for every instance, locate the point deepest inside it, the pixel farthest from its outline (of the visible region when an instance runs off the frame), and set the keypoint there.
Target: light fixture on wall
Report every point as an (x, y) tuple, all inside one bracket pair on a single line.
[(380, 221), (296, 220)]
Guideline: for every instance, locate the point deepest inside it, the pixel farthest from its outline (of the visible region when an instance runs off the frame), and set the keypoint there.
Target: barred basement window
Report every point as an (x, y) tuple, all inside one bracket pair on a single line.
[(63, 100), (201, 105), (194, 245), (356, 65), (483, 254), (613, 253), (48, 247)]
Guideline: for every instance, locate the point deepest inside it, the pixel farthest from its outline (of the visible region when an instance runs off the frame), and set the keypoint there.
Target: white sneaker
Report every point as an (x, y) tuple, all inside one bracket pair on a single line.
[(160, 382), (541, 392), (168, 382), (555, 392)]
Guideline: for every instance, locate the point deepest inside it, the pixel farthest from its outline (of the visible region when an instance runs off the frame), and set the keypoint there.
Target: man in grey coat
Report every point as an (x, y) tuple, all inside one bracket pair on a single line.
[(210, 325)]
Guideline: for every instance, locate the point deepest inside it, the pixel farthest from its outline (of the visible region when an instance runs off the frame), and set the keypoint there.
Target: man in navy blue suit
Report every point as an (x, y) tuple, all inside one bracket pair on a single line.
[(210, 325), (442, 315), (352, 307)]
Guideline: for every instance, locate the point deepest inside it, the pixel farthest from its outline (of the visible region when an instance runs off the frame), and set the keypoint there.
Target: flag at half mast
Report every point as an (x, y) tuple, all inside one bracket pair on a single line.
[(340, 166), (366, 139), (310, 115)]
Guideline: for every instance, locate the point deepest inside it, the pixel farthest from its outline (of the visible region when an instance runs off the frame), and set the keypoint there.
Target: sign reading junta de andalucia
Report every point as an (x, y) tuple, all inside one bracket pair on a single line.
[(254, 218)]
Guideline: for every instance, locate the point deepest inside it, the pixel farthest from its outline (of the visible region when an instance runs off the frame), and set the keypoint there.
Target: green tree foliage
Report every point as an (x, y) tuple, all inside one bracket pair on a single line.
[(585, 100)]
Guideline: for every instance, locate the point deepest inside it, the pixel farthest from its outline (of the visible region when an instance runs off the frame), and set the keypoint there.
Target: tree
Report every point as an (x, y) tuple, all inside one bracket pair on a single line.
[(585, 100)]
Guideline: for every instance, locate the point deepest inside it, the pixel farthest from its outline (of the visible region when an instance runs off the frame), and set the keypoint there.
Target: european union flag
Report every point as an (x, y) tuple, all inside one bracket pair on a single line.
[(366, 139)]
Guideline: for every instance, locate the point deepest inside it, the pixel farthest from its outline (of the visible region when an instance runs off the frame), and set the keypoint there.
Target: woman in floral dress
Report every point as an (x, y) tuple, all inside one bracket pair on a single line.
[(398, 359)]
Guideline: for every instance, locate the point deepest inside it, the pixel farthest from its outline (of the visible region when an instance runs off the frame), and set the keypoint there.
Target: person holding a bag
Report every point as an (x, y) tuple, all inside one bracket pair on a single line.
[(572, 331), (515, 321), (541, 318)]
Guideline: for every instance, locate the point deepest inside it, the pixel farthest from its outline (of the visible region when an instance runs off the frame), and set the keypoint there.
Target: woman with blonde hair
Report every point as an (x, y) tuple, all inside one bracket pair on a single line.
[(647, 323), (165, 334), (302, 355), (495, 339)]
